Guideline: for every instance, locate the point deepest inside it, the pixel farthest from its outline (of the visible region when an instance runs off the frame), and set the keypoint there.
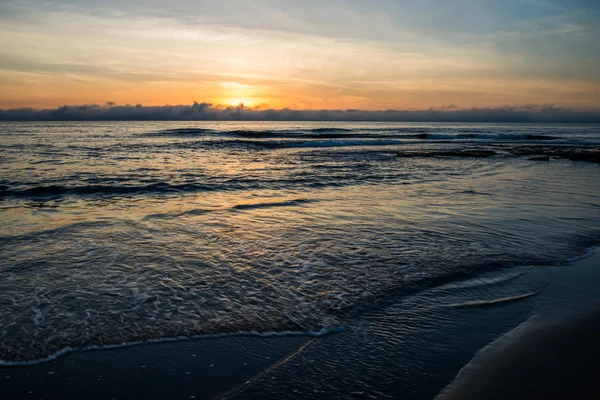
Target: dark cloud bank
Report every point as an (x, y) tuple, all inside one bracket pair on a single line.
[(209, 112)]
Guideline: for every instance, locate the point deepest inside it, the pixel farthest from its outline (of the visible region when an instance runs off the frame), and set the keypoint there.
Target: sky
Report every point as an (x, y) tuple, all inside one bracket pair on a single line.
[(303, 55)]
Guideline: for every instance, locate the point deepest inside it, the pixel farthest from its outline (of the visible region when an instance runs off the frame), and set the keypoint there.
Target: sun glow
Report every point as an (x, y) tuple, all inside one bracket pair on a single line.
[(238, 101), (235, 94)]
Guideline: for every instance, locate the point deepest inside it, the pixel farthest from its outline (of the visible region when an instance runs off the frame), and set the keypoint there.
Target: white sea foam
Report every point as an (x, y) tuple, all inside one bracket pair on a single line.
[(134, 248), (587, 254), (323, 332)]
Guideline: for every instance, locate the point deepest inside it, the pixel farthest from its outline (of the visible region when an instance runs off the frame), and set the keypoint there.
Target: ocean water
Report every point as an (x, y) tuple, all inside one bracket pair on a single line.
[(116, 233)]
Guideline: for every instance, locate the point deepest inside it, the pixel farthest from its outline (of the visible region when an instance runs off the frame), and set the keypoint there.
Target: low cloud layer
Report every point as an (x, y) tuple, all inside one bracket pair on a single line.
[(209, 112)]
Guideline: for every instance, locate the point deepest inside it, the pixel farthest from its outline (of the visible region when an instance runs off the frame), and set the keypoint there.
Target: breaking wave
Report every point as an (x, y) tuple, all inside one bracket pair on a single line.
[(372, 133)]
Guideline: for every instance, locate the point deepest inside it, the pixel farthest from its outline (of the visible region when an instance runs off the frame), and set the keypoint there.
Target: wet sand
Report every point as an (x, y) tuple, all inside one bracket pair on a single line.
[(384, 353), (198, 369), (553, 355)]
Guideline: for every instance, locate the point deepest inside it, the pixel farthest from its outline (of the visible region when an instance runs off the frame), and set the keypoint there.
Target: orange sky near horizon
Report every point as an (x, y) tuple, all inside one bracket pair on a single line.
[(51, 92), (284, 56)]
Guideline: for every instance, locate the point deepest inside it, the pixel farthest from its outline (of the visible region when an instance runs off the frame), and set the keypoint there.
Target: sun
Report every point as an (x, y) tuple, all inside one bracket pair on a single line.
[(238, 101), (235, 93)]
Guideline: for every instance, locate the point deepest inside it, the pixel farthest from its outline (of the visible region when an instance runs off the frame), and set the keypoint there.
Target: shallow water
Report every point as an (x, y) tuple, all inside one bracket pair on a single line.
[(116, 233)]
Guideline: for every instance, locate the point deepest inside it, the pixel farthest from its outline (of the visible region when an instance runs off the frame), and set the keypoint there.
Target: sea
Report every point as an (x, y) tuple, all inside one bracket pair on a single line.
[(365, 259)]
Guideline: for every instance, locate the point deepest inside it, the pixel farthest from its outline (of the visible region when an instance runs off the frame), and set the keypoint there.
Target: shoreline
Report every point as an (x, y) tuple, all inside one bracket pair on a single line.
[(235, 366), (207, 336), (548, 356), (591, 252)]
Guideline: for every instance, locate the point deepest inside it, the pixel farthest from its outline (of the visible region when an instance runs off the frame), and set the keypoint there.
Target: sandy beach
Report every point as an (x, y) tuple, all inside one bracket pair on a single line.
[(550, 356)]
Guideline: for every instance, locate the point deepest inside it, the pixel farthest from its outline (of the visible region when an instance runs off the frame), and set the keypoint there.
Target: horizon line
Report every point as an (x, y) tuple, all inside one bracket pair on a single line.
[(205, 111)]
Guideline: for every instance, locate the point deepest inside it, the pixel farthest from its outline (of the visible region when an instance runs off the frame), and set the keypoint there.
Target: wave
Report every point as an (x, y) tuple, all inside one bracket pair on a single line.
[(253, 134), (330, 130), (317, 328), (161, 188), (270, 133), (287, 203), (483, 281), (59, 190), (481, 136), (474, 153), (590, 252), (244, 206), (509, 136), (313, 135), (494, 302), (283, 144), (68, 349), (368, 133), (179, 132), (346, 143)]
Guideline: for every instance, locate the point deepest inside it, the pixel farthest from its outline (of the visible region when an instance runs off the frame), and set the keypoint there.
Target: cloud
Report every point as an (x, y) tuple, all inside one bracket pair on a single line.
[(209, 112), (399, 54)]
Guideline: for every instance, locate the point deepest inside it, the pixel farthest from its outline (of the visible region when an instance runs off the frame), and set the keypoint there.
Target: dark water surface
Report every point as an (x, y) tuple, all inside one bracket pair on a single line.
[(117, 233)]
